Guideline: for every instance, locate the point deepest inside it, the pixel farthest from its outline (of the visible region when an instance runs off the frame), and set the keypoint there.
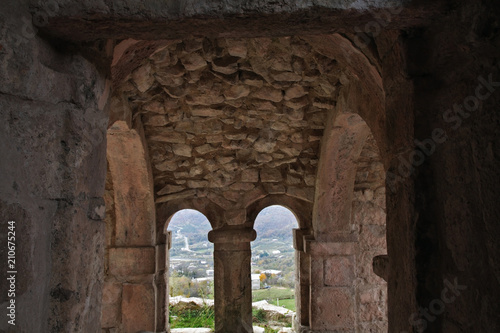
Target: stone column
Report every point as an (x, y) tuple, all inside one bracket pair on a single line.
[(232, 279), (332, 294)]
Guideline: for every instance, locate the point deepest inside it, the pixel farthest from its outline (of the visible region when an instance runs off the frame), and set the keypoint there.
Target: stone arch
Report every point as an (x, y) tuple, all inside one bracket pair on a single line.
[(300, 208), (363, 87), (342, 144), (351, 114), (128, 294), (303, 213), (165, 210), (349, 229), (343, 242)]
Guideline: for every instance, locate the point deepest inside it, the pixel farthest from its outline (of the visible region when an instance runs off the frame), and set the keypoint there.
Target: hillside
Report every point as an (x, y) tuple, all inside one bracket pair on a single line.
[(274, 222)]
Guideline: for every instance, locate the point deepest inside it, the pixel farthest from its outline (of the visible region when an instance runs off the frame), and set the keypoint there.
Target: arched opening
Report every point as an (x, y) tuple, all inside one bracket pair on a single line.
[(189, 270), (228, 147), (274, 265)]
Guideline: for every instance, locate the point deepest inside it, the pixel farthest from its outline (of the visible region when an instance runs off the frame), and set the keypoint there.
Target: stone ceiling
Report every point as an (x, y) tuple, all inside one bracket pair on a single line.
[(234, 119)]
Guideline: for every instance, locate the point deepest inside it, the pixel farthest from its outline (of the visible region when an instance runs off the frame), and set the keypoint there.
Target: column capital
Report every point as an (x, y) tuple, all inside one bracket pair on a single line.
[(232, 234)]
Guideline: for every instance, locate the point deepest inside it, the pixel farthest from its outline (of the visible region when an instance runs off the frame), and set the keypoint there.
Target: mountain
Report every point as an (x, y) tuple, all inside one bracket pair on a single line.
[(273, 222), (273, 248)]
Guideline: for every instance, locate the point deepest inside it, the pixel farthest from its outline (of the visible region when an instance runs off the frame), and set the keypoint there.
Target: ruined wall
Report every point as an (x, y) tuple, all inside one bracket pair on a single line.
[(52, 143), (369, 219)]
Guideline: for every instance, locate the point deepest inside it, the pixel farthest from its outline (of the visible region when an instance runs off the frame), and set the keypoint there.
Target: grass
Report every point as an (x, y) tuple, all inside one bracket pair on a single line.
[(286, 296), (287, 303), (203, 317), (258, 316), (273, 292)]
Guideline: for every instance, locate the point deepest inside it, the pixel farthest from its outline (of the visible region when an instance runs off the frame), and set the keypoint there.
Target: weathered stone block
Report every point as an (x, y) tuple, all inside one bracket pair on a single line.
[(125, 262), (304, 193), (332, 308), (250, 176), (111, 303), (270, 175), (339, 271), (182, 150), (138, 308)]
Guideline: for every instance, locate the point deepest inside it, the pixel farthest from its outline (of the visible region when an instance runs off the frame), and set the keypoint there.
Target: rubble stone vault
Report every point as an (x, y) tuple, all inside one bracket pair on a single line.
[(374, 122)]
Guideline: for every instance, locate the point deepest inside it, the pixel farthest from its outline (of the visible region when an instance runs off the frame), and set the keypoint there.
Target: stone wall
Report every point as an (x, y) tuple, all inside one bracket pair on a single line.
[(53, 146), (369, 219), (455, 189)]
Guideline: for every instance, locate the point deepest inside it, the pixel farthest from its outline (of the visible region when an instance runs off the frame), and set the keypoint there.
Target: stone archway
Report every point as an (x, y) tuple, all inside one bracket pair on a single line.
[(350, 230), (164, 213), (130, 260), (303, 214), (232, 121)]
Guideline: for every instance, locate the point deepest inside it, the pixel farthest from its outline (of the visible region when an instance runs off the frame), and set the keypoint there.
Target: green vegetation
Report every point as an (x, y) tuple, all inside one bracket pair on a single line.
[(258, 316), (285, 295), (203, 317), (184, 286), (286, 303), (259, 319), (272, 293)]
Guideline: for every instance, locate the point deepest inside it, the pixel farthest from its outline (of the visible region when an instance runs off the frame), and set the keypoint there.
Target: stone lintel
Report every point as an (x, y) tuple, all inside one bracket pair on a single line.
[(317, 248), (232, 234)]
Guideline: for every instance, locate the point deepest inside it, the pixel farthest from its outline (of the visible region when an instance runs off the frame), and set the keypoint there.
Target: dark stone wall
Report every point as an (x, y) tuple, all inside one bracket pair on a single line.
[(446, 193), (53, 166)]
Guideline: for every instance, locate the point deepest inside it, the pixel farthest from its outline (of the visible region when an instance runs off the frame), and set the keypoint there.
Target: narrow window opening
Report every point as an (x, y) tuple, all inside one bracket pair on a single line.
[(191, 271), (273, 268)]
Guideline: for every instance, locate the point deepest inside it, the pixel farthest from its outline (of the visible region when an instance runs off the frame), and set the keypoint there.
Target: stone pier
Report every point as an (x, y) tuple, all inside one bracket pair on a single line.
[(233, 292)]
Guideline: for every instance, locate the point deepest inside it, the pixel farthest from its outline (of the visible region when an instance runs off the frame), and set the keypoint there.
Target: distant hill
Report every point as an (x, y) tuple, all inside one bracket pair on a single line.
[(274, 222), (273, 248), (191, 223)]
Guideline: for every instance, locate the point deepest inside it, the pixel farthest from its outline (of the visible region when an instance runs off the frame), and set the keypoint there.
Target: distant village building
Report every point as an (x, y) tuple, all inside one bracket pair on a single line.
[(255, 281), (210, 278)]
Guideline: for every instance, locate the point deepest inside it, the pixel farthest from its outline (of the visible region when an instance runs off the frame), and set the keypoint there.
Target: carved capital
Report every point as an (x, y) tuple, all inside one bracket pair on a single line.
[(232, 234)]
